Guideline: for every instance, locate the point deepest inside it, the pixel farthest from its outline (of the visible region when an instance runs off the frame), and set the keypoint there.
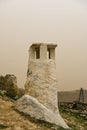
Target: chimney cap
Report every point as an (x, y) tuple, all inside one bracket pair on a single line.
[(50, 45)]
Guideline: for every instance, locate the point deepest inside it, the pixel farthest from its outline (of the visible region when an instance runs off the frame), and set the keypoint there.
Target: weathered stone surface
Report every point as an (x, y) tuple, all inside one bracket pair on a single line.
[(32, 107), (8, 78), (8, 83), (41, 84)]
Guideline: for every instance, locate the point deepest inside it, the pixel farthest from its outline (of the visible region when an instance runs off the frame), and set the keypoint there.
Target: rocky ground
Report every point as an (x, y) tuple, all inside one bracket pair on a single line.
[(73, 119), (14, 120)]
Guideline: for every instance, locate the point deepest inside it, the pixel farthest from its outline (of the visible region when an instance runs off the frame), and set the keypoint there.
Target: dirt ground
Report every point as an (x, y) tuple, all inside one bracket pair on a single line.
[(14, 120)]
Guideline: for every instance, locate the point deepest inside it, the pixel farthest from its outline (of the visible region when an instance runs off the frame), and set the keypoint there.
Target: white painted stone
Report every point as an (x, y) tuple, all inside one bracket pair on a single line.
[(41, 77), (41, 82), (30, 106)]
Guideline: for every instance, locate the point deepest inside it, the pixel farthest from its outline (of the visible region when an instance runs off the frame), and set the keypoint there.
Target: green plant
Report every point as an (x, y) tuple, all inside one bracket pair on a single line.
[(1, 95), (3, 126), (61, 128), (11, 91)]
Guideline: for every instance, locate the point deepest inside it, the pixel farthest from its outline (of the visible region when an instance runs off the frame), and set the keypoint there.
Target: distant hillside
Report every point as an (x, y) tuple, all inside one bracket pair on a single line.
[(71, 96)]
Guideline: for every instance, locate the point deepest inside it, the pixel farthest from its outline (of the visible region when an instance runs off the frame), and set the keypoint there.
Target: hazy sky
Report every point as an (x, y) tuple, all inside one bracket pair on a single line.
[(62, 21)]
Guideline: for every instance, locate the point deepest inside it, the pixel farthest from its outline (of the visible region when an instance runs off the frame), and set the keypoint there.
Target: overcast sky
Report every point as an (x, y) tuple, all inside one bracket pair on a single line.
[(60, 21)]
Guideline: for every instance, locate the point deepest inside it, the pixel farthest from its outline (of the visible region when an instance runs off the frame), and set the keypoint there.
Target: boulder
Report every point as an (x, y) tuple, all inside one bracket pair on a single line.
[(32, 107), (9, 84)]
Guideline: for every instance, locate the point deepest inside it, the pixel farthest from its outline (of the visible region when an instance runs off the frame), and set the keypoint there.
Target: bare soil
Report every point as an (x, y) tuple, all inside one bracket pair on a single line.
[(14, 120)]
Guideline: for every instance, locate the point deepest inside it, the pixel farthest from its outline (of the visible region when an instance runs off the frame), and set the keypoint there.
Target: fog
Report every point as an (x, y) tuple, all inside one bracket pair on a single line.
[(64, 22)]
